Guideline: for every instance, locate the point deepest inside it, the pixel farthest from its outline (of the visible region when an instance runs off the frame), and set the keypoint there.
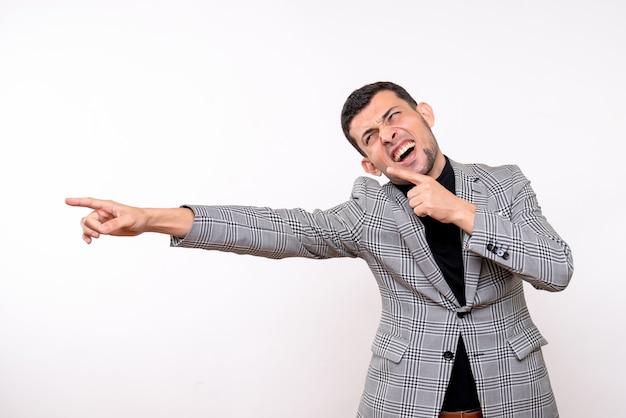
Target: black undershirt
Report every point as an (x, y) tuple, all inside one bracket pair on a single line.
[(444, 241)]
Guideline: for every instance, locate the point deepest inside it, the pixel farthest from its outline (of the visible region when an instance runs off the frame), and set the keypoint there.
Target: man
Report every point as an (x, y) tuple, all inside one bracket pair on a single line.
[(450, 246)]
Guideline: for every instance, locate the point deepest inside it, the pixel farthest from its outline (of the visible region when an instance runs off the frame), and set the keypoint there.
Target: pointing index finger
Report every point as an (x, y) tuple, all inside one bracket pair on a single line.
[(85, 202)]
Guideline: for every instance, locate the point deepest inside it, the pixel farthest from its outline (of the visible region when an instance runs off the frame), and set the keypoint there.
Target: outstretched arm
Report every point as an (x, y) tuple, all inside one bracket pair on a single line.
[(112, 218)]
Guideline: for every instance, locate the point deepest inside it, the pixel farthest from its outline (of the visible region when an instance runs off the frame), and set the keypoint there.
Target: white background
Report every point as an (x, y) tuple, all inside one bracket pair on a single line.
[(160, 103)]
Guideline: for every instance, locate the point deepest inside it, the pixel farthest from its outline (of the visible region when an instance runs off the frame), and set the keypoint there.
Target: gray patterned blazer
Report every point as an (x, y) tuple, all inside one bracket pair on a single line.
[(421, 320)]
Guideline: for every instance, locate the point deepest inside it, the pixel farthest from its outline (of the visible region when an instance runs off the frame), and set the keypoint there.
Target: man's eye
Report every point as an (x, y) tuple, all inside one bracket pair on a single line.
[(394, 114)]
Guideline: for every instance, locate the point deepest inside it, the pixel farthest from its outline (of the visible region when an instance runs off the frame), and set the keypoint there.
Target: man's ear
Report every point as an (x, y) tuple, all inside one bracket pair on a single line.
[(427, 113), (369, 167)]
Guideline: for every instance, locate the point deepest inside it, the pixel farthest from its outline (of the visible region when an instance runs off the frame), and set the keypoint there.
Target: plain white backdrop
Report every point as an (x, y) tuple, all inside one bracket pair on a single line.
[(161, 103)]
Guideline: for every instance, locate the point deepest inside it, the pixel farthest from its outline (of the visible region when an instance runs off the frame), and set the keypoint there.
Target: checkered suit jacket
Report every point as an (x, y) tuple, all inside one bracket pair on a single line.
[(421, 320)]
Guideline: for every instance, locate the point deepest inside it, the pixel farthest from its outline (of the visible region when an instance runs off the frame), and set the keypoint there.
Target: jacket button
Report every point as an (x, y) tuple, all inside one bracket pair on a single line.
[(461, 314), (448, 355)]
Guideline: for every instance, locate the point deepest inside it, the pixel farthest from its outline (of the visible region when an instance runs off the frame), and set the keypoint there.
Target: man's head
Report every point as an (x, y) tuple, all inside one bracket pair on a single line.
[(389, 128), (361, 97)]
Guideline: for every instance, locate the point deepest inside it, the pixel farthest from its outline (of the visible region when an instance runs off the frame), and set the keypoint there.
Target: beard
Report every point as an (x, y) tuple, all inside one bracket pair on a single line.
[(431, 152)]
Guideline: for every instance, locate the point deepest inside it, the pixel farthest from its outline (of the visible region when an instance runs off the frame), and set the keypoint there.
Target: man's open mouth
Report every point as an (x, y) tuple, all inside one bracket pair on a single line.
[(403, 151)]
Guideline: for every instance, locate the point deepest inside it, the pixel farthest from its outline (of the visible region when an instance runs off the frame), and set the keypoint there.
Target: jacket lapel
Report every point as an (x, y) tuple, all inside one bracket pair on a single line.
[(470, 188)]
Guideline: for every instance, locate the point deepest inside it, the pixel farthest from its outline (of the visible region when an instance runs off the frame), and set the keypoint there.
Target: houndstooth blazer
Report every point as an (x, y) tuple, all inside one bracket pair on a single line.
[(421, 320)]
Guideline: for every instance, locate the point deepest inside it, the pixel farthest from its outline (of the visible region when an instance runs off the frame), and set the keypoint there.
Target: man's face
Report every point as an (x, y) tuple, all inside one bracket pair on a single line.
[(392, 133)]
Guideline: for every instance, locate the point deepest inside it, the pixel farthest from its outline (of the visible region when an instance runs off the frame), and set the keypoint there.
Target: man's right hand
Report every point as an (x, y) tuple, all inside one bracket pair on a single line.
[(112, 218)]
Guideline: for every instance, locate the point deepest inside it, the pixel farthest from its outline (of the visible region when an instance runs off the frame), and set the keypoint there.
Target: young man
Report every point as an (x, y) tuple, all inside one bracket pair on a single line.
[(449, 244)]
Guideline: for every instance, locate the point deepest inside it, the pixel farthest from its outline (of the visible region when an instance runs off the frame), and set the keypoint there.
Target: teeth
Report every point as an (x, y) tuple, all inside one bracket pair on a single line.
[(402, 150)]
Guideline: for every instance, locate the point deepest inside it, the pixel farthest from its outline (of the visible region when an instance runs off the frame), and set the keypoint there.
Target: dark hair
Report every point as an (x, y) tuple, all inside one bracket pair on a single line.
[(361, 97)]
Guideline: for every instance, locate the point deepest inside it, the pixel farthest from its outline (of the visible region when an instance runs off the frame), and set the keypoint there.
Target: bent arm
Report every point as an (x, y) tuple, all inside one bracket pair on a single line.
[(516, 235)]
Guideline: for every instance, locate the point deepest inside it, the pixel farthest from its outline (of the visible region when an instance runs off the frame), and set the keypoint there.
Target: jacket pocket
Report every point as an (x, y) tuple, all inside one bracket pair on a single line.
[(389, 346), (526, 341)]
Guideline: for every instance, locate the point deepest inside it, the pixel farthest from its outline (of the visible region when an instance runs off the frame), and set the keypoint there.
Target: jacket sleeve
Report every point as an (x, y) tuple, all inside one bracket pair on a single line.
[(513, 232), (278, 233)]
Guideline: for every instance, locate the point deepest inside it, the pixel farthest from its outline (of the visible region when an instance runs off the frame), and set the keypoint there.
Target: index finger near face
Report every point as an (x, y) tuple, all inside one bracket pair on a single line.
[(406, 174)]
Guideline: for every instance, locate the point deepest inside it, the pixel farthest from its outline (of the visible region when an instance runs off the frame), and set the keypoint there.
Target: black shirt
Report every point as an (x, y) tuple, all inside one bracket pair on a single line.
[(444, 241)]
